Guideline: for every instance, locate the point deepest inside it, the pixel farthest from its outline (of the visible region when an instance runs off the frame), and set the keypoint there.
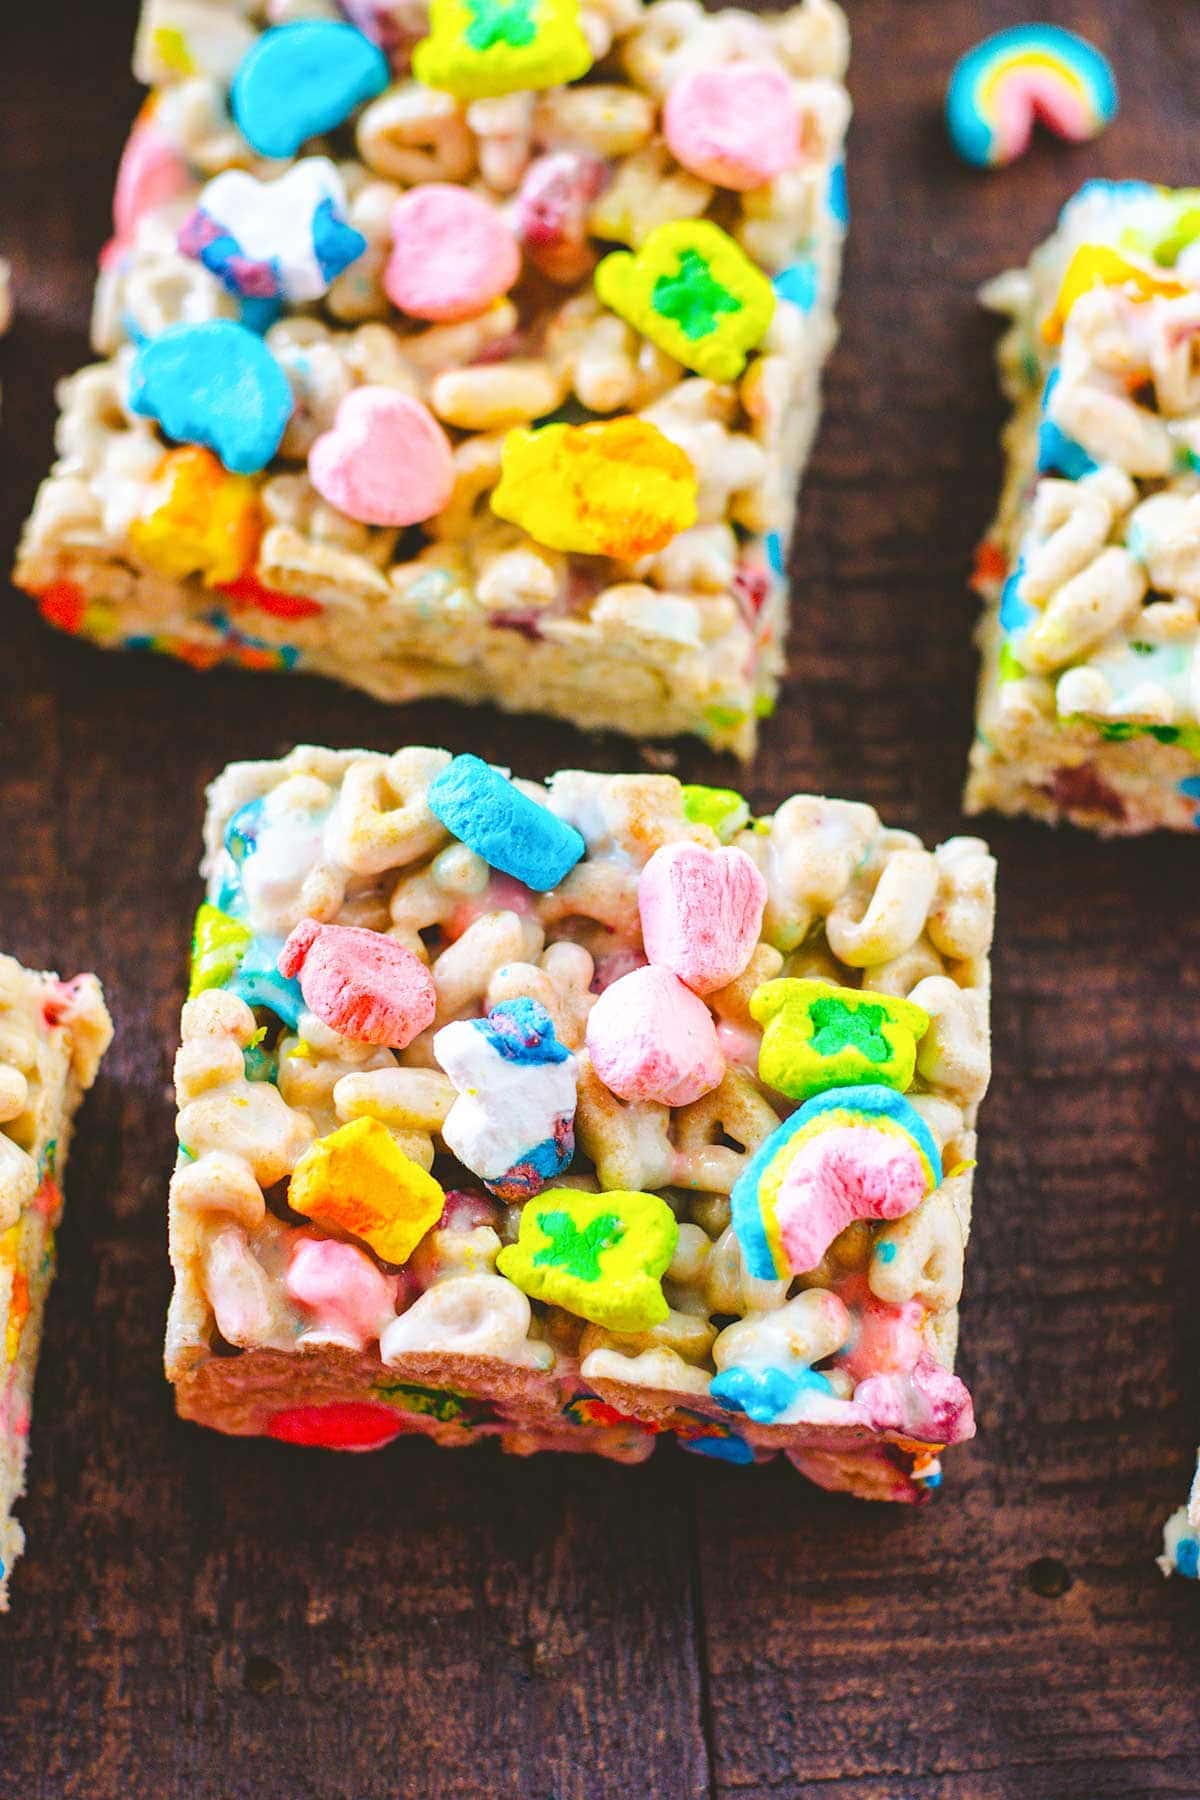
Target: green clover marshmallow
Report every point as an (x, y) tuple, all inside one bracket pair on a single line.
[(694, 292), (818, 1036), (600, 1256)]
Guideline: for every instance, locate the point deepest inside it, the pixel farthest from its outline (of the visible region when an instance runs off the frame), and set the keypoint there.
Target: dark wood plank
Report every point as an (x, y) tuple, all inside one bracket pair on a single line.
[(206, 1619)]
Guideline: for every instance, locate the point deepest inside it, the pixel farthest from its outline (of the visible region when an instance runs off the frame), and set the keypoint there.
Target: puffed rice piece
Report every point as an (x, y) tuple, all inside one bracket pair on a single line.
[(448, 1344)]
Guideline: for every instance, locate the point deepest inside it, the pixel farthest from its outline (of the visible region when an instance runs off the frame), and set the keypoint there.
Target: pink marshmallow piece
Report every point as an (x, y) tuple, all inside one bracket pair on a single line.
[(151, 173), (651, 1038), (887, 1337), (899, 1386), (361, 984), (737, 125), (386, 460), (452, 253), (1034, 95), (844, 1173), (341, 1287), (702, 913), (554, 197), (551, 211), (928, 1403)]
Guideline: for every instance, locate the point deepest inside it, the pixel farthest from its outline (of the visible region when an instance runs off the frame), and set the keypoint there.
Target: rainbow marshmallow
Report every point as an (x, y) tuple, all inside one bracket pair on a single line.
[(851, 1153), (1015, 77)]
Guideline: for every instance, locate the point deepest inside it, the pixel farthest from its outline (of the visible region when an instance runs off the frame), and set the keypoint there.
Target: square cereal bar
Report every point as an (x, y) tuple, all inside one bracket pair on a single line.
[(495, 384), (577, 1114), (1089, 698), (52, 1036)]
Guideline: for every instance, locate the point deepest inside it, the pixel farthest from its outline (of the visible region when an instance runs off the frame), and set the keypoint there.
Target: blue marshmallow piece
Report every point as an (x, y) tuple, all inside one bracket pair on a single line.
[(481, 807), (1059, 454), (335, 244), (301, 80), (1015, 611), (800, 283), (720, 1449), (215, 384), (259, 983), (837, 196), (764, 1394)]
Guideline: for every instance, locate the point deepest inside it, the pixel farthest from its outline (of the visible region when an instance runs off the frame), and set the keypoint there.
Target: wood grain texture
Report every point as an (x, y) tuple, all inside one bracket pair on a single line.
[(215, 1620)]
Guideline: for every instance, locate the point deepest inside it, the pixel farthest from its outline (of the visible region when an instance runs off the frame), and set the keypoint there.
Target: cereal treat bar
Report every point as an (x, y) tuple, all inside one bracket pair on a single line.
[(1181, 1537), (52, 1036), (468, 349), (577, 1114), (1089, 699)]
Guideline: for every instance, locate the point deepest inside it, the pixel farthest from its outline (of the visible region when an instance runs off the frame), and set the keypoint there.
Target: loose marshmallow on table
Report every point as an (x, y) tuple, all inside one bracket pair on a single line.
[(361, 984), (386, 460), (452, 253), (651, 1038), (701, 912), (1027, 73)]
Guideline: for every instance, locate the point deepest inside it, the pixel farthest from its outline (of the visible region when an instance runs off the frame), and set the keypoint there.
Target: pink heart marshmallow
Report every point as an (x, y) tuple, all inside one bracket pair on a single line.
[(386, 460), (452, 253), (737, 126), (702, 913)]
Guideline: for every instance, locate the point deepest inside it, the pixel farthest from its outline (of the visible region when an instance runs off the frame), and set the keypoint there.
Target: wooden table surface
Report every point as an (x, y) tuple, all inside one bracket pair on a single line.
[(216, 1618)]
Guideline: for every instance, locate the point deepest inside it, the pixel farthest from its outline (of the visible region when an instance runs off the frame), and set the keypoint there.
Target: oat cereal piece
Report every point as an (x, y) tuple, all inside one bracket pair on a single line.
[(52, 1036), (459, 1229), (1089, 696), (501, 326)]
